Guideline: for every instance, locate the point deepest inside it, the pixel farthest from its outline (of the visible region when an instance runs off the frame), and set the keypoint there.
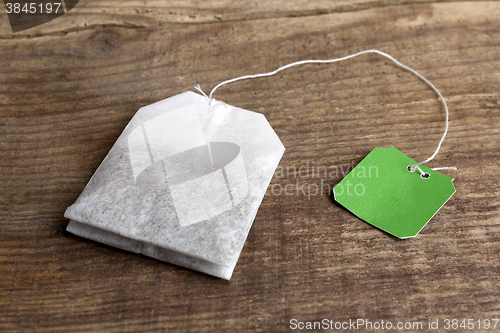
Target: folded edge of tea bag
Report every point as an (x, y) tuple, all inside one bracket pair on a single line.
[(124, 243)]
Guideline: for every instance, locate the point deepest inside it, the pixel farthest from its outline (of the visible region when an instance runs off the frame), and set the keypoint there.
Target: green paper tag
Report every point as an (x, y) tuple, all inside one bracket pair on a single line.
[(381, 191)]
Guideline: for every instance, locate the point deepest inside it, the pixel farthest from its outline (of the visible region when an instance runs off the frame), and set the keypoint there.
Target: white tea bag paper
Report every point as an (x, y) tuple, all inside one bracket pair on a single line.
[(182, 184)]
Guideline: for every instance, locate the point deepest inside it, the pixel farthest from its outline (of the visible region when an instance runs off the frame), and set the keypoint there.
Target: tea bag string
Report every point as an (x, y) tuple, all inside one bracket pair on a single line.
[(411, 168)]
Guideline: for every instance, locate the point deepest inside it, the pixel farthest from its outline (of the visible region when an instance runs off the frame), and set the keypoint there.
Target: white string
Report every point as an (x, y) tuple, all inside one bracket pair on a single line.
[(326, 61), (445, 168), (197, 87)]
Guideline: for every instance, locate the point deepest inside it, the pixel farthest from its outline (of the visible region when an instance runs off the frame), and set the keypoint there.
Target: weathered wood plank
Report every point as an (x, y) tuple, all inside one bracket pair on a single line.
[(158, 13), (67, 91)]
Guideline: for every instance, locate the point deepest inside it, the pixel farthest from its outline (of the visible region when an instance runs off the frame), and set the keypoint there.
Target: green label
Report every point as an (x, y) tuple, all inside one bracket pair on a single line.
[(381, 191)]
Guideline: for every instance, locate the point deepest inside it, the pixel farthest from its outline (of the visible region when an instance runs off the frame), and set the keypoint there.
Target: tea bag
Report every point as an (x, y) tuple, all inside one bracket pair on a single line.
[(182, 184), (184, 181)]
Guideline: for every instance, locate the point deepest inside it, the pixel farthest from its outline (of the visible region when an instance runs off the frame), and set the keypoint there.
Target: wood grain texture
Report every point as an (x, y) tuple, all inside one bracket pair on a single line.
[(69, 87)]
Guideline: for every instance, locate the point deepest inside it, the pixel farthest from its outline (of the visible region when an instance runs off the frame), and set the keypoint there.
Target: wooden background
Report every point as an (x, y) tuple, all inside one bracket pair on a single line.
[(69, 87)]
